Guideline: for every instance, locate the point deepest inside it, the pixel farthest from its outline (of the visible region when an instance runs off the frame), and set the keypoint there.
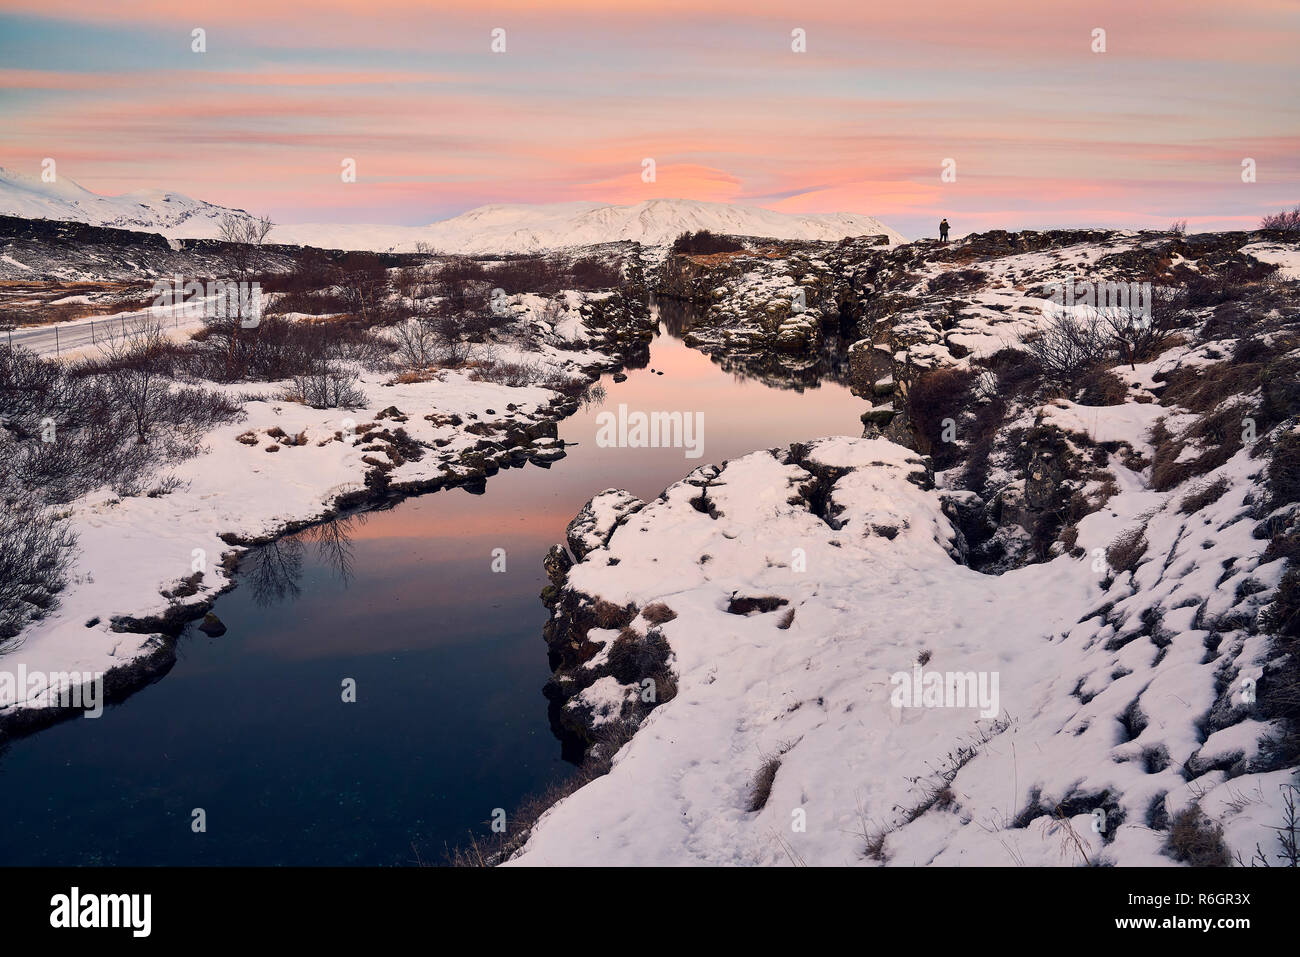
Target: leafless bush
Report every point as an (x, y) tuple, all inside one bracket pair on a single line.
[(280, 348), (73, 430), (1139, 338), (327, 386), (364, 285), (1070, 344), (243, 250), (590, 273), (935, 397), (1288, 220), (1178, 227), (312, 270), (513, 374), (35, 552), (418, 343)]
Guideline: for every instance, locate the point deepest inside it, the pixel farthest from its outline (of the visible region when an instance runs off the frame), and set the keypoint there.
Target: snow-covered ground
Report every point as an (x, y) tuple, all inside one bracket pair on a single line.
[(1090, 715)]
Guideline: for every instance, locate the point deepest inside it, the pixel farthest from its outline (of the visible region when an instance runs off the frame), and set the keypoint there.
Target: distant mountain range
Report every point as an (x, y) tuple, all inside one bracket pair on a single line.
[(156, 211), (487, 229)]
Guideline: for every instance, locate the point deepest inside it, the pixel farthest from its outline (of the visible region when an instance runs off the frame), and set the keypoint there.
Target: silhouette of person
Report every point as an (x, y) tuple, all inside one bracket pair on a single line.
[(943, 230)]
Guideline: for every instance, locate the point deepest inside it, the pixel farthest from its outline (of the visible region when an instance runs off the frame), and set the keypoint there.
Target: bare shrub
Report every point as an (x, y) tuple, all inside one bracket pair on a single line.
[(418, 342), (243, 252), (1139, 338), (280, 348), (1070, 344), (590, 273), (327, 386), (75, 429), (513, 374), (312, 270), (35, 552), (363, 281), (1287, 221)]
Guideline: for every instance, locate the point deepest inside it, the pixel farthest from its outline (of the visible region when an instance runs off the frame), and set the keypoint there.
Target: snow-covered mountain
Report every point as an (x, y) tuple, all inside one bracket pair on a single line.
[(487, 229), (522, 228), (172, 214)]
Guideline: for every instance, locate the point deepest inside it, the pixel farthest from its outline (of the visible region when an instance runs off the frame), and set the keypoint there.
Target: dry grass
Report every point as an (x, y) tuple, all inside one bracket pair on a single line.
[(1125, 553), (1205, 494), (1195, 840), (609, 615), (657, 613), (761, 789)]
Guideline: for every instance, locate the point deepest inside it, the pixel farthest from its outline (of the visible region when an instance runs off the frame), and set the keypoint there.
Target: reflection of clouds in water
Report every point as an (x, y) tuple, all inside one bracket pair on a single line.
[(272, 571)]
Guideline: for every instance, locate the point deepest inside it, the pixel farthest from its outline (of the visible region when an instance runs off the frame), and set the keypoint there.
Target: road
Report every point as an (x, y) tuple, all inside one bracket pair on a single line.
[(83, 335)]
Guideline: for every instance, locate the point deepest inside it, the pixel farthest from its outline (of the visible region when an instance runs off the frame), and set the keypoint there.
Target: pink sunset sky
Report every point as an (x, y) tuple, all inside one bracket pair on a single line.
[(1043, 131)]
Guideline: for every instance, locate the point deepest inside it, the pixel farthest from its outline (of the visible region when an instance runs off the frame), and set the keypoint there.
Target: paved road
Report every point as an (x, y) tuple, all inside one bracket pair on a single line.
[(86, 334)]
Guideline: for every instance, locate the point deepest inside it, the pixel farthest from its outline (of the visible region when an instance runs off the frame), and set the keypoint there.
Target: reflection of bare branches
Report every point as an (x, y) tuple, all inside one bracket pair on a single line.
[(334, 543), (274, 569)]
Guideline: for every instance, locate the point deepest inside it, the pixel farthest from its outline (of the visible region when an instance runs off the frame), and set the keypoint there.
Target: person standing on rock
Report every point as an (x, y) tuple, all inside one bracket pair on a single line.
[(943, 230)]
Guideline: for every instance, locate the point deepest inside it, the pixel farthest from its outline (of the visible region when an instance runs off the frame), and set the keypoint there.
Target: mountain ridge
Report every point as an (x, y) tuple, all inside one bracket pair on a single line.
[(492, 228)]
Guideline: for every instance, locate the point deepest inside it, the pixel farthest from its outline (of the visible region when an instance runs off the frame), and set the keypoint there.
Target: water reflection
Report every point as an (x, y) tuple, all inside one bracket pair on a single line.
[(792, 372), (273, 571)]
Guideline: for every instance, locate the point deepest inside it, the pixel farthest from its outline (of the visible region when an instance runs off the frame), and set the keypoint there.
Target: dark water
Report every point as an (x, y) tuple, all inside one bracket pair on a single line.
[(447, 657)]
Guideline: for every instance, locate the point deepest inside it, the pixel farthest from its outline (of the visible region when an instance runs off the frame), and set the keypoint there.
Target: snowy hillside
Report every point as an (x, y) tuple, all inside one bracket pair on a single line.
[(172, 214), (525, 229), (488, 229)]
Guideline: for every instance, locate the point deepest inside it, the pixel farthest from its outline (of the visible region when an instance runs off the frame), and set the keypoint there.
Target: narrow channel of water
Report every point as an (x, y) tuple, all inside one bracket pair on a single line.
[(447, 656)]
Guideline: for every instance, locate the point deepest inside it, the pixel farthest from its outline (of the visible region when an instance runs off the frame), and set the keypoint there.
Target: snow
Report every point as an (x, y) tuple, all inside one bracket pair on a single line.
[(817, 694), (1287, 258)]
